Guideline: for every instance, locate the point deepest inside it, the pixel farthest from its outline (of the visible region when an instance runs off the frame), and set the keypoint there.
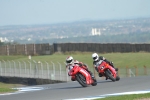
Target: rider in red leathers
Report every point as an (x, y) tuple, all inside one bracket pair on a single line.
[(70, 62)]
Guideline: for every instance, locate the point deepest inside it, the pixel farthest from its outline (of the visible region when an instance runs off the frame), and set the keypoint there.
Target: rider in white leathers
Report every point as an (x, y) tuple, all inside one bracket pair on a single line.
[(96, 59)]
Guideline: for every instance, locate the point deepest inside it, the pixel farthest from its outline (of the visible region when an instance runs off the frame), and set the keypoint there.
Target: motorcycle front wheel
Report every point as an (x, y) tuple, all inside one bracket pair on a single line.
[(81, 79), (109, 74)]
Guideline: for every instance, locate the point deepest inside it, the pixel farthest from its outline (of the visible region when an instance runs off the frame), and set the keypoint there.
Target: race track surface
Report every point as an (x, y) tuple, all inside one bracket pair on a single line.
[(73, 90)]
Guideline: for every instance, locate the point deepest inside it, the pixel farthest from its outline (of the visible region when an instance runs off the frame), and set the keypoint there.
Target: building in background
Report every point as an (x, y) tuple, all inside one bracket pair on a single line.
[(96, 31), (4, 39)]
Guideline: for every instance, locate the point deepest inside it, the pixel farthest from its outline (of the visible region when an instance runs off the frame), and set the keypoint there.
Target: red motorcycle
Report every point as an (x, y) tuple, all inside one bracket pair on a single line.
[(108, 71), (82, 76)]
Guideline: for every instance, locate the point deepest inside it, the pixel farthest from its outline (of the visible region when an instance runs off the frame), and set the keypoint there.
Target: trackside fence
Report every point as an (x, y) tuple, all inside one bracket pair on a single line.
[(34, 69), (55, 70)]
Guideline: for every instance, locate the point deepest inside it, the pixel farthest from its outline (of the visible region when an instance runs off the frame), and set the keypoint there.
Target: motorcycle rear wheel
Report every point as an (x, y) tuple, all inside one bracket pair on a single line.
[(117, 78), (94, 83), (81, 79)]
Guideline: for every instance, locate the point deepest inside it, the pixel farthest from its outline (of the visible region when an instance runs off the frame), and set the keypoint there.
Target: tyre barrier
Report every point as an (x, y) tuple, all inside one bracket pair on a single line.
[(28, 81)]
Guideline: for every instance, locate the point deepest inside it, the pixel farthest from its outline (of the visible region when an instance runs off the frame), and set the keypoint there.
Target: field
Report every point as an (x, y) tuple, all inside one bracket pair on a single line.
[(120, 59)]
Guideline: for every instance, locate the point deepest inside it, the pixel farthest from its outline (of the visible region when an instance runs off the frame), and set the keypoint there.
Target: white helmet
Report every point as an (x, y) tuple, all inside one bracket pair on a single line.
[(95, 56), (69, 60)]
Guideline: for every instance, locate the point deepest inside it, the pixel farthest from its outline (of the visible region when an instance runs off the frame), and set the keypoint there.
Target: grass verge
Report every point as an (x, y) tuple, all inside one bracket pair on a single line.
[(145, 96), (7, 88)]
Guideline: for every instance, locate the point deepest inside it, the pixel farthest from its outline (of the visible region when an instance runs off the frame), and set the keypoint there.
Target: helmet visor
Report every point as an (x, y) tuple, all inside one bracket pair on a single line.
[(94, 58), (68, 61)]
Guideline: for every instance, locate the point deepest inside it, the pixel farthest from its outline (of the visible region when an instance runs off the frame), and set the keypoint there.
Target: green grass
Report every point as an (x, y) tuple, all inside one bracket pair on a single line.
[(11, 57), (120, 59), (128, 97), (5, 88)]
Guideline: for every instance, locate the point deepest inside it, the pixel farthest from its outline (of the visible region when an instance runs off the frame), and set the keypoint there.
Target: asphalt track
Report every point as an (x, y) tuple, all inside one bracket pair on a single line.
[(73, 90)]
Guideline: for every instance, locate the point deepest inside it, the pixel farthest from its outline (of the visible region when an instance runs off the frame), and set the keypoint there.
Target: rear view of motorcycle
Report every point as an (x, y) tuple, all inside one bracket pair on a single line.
[(82, 76)]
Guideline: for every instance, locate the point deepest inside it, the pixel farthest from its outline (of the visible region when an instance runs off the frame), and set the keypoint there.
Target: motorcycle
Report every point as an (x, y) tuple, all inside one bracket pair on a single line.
[(107, 70), (82, 76)]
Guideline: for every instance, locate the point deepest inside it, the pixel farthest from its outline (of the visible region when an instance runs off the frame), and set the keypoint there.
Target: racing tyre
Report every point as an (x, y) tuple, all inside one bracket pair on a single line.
[(81, 79), (117, 78), (94, 82), (109, 74)]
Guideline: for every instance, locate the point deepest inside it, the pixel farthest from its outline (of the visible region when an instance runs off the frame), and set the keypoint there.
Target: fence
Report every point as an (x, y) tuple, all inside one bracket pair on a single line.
[(101, 47), (26, 49), (46, 49), (34, 69), (54, 70)]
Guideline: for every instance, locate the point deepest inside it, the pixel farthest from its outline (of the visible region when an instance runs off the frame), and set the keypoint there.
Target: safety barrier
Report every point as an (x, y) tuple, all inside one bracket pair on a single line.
[(34, 69), (55, 70)]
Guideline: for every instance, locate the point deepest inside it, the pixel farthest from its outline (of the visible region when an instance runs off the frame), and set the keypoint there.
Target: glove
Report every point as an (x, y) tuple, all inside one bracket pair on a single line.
[(103, 58), (80, 64), (111, 63), (85, 65)]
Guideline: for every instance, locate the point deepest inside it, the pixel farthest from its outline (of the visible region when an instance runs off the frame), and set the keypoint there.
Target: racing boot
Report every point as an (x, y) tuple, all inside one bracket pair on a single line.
[(73, 78), (100, 75), (116, 69), (107, 78), (91, 74)]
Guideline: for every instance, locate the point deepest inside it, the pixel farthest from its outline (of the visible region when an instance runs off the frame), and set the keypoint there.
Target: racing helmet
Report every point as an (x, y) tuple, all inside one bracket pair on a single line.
[(69, 60), (95, 56)]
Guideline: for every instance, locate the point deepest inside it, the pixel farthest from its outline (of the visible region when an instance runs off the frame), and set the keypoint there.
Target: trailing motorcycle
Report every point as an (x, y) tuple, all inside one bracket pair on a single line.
[(82, 76), (107, 70)]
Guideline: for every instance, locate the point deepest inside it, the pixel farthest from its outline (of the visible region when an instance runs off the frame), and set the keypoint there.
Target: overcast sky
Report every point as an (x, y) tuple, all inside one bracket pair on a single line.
[(28, 12)]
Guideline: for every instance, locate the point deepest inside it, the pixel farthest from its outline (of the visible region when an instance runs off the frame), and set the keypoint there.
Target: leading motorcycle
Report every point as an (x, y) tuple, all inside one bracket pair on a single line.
[(82, 76)]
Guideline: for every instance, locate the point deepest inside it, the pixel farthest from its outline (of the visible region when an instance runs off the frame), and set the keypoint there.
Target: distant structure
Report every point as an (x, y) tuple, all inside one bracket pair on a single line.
[(96, 31), (3, 39)]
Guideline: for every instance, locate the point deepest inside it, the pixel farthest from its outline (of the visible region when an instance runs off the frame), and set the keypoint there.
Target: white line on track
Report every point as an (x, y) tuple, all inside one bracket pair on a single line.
[(114, 94), (29, 88)]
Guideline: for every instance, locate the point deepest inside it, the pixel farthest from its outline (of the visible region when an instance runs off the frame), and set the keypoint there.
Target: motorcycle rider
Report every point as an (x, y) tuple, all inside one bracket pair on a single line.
[(97, 58), (70, 62)]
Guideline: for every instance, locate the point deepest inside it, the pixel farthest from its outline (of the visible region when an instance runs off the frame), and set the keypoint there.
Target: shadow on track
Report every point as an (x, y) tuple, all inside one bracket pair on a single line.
[(104, 81), (78, 86)]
